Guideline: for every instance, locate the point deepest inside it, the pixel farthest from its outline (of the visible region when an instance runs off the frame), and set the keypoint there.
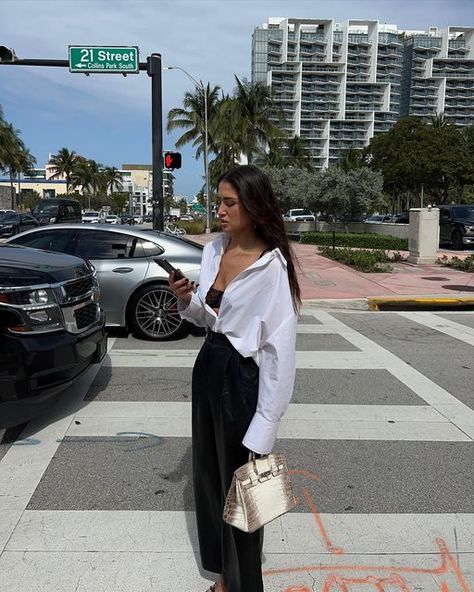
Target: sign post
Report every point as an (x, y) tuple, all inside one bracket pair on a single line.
[(89, 59)]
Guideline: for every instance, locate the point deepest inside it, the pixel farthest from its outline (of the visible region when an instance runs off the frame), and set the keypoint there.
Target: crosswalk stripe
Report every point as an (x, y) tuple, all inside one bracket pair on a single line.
[(295, 533), (299, 429), (448, 327), (185, 358)]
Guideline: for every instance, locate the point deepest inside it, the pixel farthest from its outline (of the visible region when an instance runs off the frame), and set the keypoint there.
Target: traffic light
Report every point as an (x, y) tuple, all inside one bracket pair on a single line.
[(172, 160), (7, 54)]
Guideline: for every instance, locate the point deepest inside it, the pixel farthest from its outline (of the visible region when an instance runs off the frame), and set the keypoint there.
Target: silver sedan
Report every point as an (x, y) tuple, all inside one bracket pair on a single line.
[(134, 288)]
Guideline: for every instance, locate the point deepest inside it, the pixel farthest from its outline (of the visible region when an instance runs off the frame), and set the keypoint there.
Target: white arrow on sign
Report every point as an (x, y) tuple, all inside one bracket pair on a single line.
[(80, 66)]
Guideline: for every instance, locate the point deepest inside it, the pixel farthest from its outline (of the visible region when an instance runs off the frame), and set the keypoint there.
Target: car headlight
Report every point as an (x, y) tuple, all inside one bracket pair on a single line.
[(52, 220), (470, 229), (34, 310)]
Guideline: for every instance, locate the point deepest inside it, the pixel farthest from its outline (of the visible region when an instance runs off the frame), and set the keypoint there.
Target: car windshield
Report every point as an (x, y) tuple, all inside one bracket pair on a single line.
[(301, 213), (50, 209), (92, 214), (465, 211)]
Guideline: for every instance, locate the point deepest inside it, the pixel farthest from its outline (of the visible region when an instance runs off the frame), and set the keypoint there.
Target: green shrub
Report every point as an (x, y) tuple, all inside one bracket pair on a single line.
[(356, 240), (196, 227), (466, 264), (368, 261), (199, 226)]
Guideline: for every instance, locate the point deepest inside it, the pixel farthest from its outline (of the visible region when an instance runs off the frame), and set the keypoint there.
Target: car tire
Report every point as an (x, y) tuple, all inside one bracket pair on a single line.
[(456, 241), (154, 314)]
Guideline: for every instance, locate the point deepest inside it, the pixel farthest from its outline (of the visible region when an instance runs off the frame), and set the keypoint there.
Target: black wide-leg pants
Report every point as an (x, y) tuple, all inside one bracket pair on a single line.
[(225, 390)]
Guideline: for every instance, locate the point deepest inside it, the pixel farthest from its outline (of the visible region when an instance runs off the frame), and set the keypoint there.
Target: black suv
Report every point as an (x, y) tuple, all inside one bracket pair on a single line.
[(456, 225), (57, 211), (12, 223), (51, 328)]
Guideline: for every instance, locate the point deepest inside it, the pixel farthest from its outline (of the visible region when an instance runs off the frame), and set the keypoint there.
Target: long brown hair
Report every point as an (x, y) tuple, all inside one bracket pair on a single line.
[(256, 193)]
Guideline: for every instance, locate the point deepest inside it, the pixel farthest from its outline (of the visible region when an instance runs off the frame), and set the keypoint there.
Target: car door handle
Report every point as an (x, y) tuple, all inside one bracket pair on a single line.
[(122, 269)]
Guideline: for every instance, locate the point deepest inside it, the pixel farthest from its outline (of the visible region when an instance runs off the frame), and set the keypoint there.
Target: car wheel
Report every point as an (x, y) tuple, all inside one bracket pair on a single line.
[(154, 314), (456, 240)]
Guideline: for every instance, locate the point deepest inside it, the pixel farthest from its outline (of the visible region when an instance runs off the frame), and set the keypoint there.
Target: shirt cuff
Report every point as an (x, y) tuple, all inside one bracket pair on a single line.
[(261, 434), (192, 311)]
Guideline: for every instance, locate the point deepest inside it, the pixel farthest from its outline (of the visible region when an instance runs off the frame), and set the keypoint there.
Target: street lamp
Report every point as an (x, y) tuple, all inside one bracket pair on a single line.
[(200, 86)]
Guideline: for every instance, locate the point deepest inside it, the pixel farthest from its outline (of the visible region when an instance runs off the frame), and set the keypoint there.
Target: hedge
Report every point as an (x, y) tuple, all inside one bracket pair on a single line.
[(367, 261), (466, 264), (356, 240)]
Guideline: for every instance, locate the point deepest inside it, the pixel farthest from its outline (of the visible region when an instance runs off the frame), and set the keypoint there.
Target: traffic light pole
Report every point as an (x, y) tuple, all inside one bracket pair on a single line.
[(153, 68), (154, 71)]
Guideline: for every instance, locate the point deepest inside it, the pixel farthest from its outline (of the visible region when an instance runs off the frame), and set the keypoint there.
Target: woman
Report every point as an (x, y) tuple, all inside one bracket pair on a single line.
[(247, 298)]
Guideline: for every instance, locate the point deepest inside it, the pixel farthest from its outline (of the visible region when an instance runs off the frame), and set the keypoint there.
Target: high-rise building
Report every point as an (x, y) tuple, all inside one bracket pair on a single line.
[(340, 84)]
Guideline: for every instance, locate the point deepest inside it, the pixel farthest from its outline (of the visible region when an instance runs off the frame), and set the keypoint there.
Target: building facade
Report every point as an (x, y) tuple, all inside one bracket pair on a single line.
[(137, 179), (338, 85)]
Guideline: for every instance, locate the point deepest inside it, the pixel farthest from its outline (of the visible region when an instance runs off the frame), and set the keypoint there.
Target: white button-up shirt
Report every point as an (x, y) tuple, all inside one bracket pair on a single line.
[(257, 316)]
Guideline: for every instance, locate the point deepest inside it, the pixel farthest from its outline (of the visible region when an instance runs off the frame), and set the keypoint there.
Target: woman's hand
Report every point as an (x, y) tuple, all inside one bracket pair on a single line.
[(182, 289)]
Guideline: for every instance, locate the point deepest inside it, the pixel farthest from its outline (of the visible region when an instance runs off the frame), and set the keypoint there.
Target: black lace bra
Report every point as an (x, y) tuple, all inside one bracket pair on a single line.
[(214, 296)]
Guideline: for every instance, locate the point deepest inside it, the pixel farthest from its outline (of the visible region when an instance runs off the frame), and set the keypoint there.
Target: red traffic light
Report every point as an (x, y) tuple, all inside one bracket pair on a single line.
[(172, 160)]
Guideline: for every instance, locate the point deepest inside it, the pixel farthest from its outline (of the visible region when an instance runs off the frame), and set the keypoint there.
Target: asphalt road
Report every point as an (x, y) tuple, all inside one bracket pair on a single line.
[(96, 495)]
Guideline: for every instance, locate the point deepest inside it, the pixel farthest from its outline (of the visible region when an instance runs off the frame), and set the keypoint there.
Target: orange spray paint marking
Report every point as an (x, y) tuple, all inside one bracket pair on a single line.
[(337, 574), (319, 523)]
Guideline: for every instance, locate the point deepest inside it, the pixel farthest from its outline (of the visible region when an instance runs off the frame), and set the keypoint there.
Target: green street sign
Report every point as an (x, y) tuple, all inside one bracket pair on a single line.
[(89, 59)]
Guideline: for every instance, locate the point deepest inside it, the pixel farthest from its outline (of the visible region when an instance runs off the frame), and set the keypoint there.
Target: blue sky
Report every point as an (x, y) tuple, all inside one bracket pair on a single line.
[(108, 117)]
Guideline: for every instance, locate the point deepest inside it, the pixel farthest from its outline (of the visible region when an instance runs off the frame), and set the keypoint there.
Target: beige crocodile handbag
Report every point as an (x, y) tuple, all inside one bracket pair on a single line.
[(260, 492)]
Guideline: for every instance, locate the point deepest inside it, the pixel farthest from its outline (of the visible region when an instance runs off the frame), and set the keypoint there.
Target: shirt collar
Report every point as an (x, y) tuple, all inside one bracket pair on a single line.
[(223, 240)]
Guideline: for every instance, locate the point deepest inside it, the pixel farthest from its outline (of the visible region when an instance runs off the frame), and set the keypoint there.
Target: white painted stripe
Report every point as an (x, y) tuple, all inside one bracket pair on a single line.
[(185, 358), (296, 411), (437, 323), (170, 532), (297, 429), (161, 572), (454, 410), (25, 462)]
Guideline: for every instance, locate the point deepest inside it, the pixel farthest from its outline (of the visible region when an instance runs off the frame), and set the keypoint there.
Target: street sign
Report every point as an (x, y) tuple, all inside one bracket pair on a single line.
[(89, 59)]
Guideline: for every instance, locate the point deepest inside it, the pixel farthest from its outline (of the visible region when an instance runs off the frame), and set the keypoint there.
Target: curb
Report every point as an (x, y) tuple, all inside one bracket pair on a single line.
[(421, 303)]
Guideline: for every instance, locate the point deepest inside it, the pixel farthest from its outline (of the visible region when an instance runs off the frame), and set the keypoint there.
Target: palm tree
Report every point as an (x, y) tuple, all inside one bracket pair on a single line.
[(98, 182), (113, 179), (83, 176), (253, 115), (350, 160), (297, 155), (25, 165), (439, 120), (14, 156), (191, 117), (63, 164)]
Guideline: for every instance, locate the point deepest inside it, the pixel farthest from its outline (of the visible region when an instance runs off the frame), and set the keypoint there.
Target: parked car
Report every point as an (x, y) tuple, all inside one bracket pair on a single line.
[(299, 215), (127, 219), (51, 328), (377, 218), (92, 217), (112, 219), (402, 218), (13, 223), (57, 211), (7, 212), (187, 218), (456, 225), (134, 289)]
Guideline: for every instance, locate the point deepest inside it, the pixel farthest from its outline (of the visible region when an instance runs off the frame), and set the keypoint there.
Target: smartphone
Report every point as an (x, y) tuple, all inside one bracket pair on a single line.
[(166, 265)]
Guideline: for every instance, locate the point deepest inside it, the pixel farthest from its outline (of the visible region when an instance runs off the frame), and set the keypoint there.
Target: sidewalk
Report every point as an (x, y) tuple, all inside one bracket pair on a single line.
[(329, 283)]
